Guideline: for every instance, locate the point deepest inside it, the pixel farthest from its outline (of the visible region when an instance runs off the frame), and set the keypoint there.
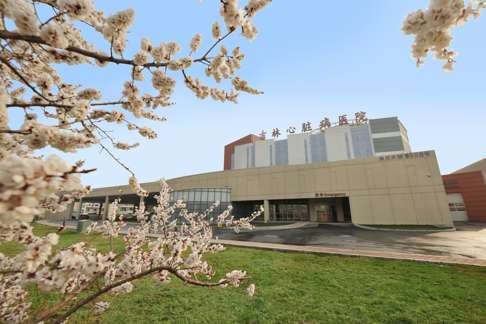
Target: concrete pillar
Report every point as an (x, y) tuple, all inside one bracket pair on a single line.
[(340, 210), (69, 212), (313, 206), (266, 211), (80, 208), (107, 206)]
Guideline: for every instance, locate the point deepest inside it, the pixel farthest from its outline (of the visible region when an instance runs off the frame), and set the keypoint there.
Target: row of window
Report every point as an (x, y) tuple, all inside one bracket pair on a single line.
[(356, 141), (289, 212), (201, 207), (222, 195), (458, 206)]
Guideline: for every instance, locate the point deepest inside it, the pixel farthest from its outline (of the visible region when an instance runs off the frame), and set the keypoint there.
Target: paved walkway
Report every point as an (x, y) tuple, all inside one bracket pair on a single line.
[(384, 254), (467, 241), (294, 225), (355, 252)]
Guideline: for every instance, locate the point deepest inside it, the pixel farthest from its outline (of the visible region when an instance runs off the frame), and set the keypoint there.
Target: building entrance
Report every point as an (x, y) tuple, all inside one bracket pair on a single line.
[(322, 210), (289, 210), (330, 210)]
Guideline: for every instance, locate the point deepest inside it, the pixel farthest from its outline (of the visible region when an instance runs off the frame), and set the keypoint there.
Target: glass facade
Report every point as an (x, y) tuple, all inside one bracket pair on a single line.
[(361, 139), (200, 199), (281, 152), (388, 144), (246, 208), (289, 210), (318, 147)]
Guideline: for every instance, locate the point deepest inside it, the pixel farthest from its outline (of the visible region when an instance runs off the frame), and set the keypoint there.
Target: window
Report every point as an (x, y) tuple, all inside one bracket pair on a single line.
[(388, 144), (211, 195), (227, 197), (185, 196), (284, 211), (199, 199), (204, 195), (457, 206), (217, 195)]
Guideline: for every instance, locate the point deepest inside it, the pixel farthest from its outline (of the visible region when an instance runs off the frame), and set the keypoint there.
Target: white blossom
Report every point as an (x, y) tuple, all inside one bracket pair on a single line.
[(178, 249), (432, 28), (146, 45), (28, 182), (23, 14), (216, 31), (89, 94), (125, 146), (254, 6), (242, 85), (100, 307), (122, 289), (251, 290), (135, 186), (78, 9), (235, 277), (53, 34), (13, 304), (65, 116), (196, 42), (3, 109), (141, 58), (162, 82)]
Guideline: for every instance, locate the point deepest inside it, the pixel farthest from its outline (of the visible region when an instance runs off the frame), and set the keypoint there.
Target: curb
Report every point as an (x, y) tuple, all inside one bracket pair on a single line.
[(313, 249), (292, 226), (371, 228)]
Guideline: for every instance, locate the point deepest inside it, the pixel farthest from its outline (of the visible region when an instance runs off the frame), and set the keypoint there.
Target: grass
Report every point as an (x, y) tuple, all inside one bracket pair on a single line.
[(299, 288)]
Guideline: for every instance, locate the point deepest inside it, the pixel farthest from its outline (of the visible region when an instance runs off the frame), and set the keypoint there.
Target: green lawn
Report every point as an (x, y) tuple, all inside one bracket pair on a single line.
[(302, 288)]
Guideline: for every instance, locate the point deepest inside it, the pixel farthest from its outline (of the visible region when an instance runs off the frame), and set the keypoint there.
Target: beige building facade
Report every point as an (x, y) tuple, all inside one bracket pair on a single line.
[(400, 189)]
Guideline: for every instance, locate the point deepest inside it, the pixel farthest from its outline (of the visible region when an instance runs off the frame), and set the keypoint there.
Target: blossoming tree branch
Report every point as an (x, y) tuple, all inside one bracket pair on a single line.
[(432, 28), (36, 36)]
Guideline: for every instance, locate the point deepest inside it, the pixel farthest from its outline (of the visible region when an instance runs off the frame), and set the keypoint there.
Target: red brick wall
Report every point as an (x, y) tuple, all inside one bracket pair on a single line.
[(472, 186), (230, 148)]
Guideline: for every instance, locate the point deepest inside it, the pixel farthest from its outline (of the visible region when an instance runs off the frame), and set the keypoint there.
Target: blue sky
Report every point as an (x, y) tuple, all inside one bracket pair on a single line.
[(313, 59)]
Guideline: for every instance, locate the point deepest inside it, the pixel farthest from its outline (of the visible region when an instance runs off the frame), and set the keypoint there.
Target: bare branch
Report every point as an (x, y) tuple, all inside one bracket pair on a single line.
[(58, 105), (102, 131), (85, 171), (108, 103), (205, 56), (50, 312), (52, 18), (15, 131), (5, 34), (21, 77), (103, 147)]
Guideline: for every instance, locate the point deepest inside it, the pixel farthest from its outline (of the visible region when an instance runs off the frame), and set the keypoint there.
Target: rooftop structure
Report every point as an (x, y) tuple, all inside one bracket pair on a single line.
[(377, 137), (476, 166)]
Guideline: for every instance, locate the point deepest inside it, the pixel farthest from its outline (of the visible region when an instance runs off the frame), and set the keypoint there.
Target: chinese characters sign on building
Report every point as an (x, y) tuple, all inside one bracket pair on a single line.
[(359, 119)]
